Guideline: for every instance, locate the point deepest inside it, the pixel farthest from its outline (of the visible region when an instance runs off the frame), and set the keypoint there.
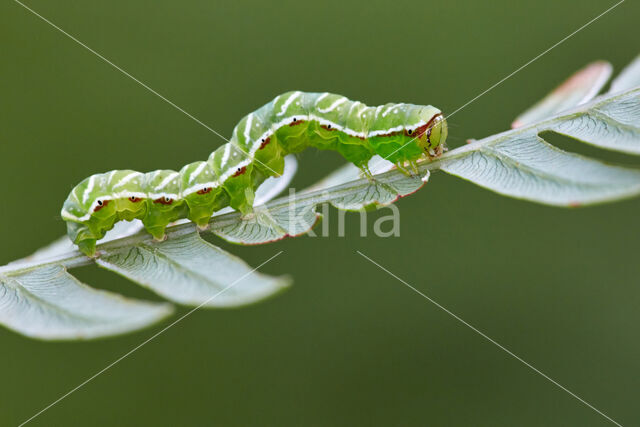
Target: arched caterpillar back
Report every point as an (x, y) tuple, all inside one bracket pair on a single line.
[(401, 133)]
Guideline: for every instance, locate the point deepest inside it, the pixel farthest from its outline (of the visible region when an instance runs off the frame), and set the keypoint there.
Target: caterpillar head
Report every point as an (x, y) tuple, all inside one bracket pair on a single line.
[(406, 132), (431, 136)]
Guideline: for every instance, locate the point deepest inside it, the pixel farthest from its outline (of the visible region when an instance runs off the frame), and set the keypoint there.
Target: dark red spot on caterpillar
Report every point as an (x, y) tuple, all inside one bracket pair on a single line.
[(205, 190), (163, 201), (331, 129), (133, 199), (101, 204), (240, 171), (400, 132), (296, 122), (417, 133), (264, 143)]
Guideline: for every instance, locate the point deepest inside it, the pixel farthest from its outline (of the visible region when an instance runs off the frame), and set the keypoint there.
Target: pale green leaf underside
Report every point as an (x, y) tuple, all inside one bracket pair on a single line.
[(519, 163), (527, 167), (628, 78), (297, 215), (612, 123), (581, 87), (49, 303), (187, 270)]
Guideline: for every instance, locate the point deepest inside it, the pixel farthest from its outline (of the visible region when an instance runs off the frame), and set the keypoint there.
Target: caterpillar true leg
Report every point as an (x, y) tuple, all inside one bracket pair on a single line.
[(401, 167), (288, 124), (367, 172), (414, 167)]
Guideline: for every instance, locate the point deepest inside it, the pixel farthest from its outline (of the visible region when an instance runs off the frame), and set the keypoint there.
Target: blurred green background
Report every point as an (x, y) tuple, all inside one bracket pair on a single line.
[(347, 344)]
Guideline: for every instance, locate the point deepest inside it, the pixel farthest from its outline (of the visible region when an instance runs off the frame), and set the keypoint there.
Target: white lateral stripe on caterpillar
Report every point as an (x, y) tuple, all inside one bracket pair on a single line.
[(127, 194), (121, 195), (396, 129), (231, 171), (258, 142), (197, 187), (156, 196), (324, 122), (153, 196)]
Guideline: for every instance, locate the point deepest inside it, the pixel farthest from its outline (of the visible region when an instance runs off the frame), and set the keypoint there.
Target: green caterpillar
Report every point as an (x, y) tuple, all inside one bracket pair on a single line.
[(401, 133)]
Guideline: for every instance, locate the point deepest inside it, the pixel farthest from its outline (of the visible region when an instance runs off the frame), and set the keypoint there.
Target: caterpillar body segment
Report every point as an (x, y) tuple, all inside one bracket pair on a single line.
[(401, 133)]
